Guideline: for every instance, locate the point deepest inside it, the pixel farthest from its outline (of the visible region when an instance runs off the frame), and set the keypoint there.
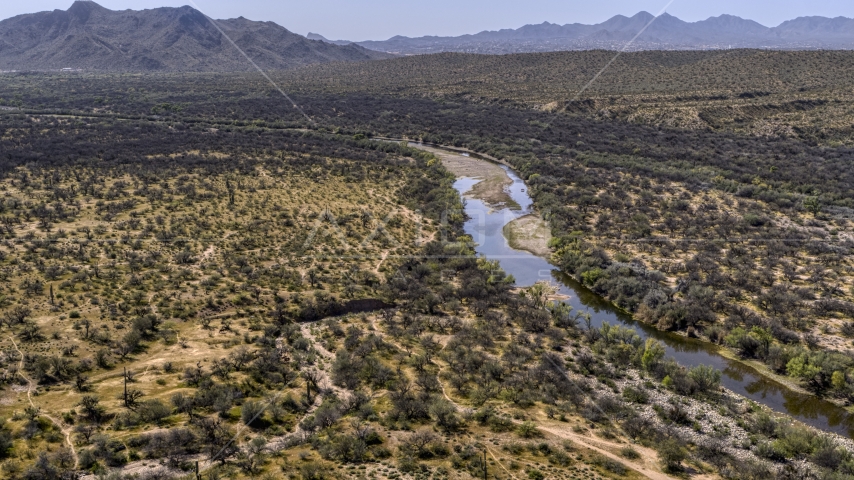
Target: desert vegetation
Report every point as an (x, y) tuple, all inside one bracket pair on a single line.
[(193, 272)]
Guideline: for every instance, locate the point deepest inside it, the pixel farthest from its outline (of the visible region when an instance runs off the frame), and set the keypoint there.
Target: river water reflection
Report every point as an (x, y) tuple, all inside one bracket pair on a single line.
[(486, 225)]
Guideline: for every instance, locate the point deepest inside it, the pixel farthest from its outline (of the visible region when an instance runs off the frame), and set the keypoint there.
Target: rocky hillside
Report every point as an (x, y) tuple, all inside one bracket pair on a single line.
[(91, 37), (665, 33)]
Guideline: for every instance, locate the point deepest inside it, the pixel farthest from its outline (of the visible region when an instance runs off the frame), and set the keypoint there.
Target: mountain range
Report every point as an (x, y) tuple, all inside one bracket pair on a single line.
[(90, 37), (664, 33)]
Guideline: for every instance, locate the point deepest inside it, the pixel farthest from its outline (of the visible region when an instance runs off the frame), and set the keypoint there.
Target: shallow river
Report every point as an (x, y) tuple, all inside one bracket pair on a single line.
[(485, 226)]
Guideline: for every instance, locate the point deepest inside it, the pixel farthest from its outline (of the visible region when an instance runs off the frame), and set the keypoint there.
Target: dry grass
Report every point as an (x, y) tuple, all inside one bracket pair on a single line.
[(276, 218)]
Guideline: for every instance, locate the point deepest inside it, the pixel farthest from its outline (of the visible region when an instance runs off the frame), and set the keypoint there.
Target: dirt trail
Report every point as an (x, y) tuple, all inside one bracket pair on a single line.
[(325, 379), (595, 444), (153, 306), (491, 453), (209, 252), (601, 446), (275, 443), (379, 264), (66, 430)]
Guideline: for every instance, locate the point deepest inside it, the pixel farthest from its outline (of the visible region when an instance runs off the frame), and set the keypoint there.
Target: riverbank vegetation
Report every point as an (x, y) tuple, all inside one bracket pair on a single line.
[(732, 225), (309, 292)]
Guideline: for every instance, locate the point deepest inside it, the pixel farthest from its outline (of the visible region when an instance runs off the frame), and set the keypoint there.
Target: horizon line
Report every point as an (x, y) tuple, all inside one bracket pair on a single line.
[(545, 22)]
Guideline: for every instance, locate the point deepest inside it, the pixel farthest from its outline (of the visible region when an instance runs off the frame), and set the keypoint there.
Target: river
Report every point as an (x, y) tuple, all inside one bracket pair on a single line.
[(486, 228)]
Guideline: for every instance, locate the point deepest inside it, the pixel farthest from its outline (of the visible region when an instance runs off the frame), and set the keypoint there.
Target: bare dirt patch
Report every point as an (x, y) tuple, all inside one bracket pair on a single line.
[(493, 179), (529, 233)]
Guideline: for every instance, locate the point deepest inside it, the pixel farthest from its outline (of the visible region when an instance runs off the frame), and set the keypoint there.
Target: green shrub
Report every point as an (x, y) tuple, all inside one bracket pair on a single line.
[(528, 430), (514, 447), (630, 453), (635, 395), (671, 454), (408, 464), (500, 424), (535, 474), (251, 412), (311, 471), (705, 377), (153, 411), (560, 458), (86, 459)]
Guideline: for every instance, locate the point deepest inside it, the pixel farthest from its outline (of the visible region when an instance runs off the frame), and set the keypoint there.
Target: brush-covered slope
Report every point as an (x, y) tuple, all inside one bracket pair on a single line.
[(92, 37)]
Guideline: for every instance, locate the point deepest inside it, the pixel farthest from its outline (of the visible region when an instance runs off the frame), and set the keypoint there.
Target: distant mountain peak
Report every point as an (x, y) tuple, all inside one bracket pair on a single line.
[(91, 37), (666, 32), (85, 4), (83, 9)]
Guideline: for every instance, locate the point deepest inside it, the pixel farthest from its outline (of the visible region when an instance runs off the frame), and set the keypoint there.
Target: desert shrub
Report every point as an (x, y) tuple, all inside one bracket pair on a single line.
[(514, 448), (527, 430), (635, 395), (251, 412), (609, 464), (153, 411), (629, 452), (671, 454), (534, 474), (706, 378), (112, 451), (445, 415), (86, 458), (560, 458), (6, 439), (344, 448), (500, 424), (421, 444), (312, 471)]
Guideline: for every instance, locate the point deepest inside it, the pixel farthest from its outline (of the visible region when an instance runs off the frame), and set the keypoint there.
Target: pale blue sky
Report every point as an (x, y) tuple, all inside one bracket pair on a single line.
[(380, 19)]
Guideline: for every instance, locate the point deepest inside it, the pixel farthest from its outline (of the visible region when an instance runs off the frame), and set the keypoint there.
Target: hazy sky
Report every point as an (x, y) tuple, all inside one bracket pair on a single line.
[(380, 19)]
